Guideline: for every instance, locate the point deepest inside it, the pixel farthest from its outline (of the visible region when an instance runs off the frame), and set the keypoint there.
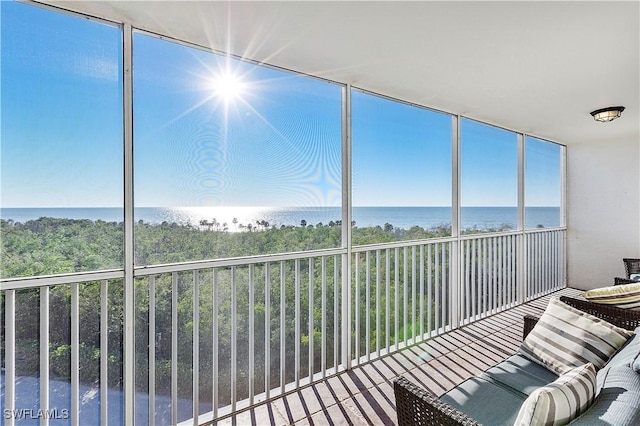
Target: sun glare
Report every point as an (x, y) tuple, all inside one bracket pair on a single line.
[(228, 86)]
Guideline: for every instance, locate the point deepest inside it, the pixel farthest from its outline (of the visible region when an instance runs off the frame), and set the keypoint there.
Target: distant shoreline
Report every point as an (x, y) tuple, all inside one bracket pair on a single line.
[(401, 217)]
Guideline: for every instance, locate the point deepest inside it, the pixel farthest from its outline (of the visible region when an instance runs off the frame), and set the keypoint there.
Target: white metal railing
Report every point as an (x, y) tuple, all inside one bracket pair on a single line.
[(401, 295), (48, 306), (545, 259), (258, 327), (489, 274), (215, 337)]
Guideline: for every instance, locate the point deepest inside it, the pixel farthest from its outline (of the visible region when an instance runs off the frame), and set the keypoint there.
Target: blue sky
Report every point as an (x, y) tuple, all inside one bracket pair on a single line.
[(276, 141)]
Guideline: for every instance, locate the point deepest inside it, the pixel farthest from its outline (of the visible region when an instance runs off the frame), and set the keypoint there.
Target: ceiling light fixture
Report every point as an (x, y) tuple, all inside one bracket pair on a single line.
[(607, 114)]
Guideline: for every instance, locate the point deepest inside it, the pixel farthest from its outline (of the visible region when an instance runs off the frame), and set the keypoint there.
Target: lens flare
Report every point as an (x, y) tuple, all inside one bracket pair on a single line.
[(228, 86)]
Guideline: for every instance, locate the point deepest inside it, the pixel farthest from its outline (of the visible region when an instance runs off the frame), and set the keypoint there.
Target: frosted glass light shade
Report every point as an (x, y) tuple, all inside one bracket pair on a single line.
[(607, 114)]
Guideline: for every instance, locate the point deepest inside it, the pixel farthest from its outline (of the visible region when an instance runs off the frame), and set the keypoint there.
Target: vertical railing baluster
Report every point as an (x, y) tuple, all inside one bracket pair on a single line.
[(507, 266), (538, 264), (479, 277), (444, 285), (152, 350), (267, 330), (547, 262), (558, 257), (234, 339), (485, 278), (336, 309), (562, 247), (44, 354), (195, 376), (528, 281), (516, 247), (174, 347), (378, 313), (405, 293), (506, 271), (357, 308), (533, 264), (297, 319), (367, 300), (542, 264), (396, 299), (10, 355), (413, 294), (252, 330), (523, 264), (501, 272), (531, 261), (467, 280), (509, 269), (429, 289), (498, 273), (323, 318), (283, 322), (104, 354), (552, 263), (490, 275), (474, 279), (494, 272), (487, 269), (421, 299), (436, 290), (215, 338), (516, 244), (311, 317), (75, 354), (387, 325), (536, 258)]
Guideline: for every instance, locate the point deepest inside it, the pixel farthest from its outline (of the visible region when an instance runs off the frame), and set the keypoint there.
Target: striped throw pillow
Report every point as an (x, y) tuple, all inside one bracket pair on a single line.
[(623, 296), (566, 337), (561, 401)]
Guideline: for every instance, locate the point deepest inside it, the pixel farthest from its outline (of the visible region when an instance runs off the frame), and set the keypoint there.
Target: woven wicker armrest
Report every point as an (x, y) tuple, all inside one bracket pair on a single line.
[(621, 281), (625, 318), (416, 406), (631, 266), (529, 322)]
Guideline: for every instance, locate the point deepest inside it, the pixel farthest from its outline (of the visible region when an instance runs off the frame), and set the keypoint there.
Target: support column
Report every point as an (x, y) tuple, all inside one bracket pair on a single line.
[(129, 290)]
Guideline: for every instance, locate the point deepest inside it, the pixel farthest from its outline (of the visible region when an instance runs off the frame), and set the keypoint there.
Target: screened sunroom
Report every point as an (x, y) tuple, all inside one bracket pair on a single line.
[(264, 212)]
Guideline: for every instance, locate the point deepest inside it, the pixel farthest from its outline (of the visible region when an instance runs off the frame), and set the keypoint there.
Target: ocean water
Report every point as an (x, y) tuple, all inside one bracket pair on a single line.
[(236, 218)]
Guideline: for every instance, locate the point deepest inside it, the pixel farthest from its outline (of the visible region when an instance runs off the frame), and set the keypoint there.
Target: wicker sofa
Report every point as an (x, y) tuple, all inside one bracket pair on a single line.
[(495, 396)]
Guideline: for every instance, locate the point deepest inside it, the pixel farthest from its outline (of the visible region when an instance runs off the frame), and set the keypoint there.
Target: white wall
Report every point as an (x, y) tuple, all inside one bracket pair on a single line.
[(603, 210)]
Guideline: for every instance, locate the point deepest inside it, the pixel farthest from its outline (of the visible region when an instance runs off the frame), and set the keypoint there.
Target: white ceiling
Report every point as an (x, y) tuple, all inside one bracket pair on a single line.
[(538, 67)]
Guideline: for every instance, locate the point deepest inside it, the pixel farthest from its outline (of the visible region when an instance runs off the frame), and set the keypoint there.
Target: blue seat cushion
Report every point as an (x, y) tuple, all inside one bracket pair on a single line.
[(521, 374), (485, 401)]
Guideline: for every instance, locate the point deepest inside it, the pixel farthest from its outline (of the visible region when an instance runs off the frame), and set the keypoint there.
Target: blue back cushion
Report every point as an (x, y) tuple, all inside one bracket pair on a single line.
[(618, 402)]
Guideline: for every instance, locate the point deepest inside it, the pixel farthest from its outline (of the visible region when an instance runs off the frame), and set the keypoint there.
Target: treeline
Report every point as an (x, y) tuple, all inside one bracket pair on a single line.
[(49, 246)]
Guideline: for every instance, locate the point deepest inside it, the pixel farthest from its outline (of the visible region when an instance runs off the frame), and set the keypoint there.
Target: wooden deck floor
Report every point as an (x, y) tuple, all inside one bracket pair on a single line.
[(364, 395)]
